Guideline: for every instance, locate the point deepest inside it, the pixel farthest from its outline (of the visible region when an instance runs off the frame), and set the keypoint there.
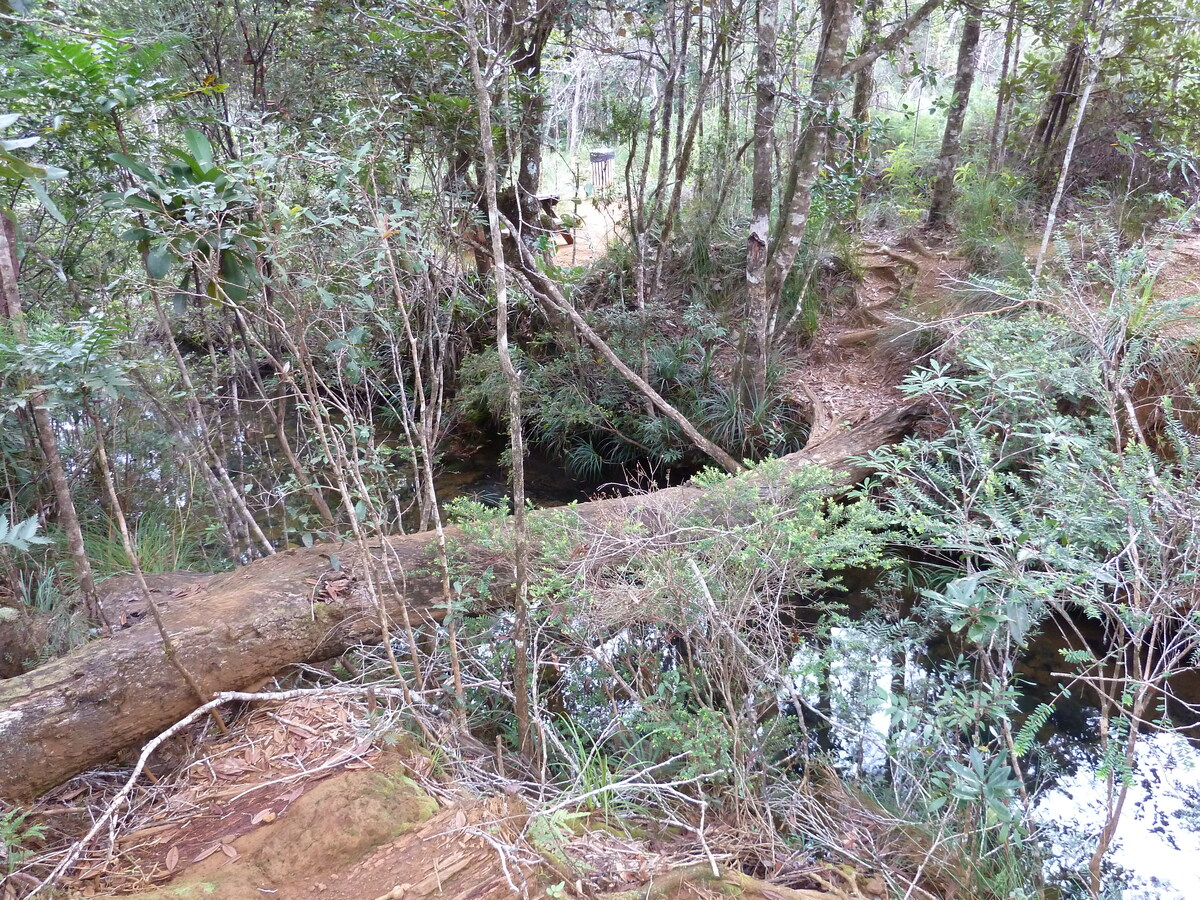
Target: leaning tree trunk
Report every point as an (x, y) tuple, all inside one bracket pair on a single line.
[(68, 517), (826, 91), (234, 630), (964, 78), (1058, 105)]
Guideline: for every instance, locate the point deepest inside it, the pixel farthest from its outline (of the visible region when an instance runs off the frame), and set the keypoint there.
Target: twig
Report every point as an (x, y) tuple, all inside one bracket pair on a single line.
[(108, 816)]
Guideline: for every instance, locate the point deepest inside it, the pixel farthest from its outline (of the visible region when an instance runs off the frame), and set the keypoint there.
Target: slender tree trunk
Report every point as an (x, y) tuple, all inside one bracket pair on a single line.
[(864, 87), (529, 175), (68, 517), (1002, 87), (1009, 102), (521, 683), (1058, 105), (897, 37), (681, 91), (826, 91), (756, 344), (683, 152), (279, 419), (1096, 61), (668, 96), (209, 456), (964, 79)]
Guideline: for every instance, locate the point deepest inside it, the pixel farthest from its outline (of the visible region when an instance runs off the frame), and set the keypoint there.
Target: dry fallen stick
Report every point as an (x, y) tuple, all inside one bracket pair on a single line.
[(77, 849)]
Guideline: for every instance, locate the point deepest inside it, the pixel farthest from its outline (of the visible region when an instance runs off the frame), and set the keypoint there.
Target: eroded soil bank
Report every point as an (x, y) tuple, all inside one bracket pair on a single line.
[(308, 801)]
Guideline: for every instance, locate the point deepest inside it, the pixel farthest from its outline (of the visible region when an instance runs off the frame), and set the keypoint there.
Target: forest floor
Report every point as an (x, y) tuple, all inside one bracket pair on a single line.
[(863, 345), (1179, 277), (297, 803)]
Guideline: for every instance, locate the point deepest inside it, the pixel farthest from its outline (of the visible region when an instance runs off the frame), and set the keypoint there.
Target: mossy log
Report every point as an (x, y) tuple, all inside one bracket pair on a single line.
[(236, 629)]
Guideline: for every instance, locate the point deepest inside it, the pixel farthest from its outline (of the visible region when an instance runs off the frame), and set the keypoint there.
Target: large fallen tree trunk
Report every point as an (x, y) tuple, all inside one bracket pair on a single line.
[(236, 629)]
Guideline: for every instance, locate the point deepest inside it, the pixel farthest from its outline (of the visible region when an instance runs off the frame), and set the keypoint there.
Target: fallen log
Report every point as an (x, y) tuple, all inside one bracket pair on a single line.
[(233, 630)]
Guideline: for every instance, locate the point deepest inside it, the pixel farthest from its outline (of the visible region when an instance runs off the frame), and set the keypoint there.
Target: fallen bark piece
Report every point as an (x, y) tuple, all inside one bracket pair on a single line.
[(243, 626)]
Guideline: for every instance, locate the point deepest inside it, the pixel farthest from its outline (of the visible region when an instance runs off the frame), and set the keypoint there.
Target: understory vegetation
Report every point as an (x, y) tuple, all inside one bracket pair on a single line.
[(279, 276)]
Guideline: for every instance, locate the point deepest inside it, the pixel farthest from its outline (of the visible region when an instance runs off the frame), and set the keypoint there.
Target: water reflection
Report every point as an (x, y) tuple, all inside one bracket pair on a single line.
[(1156, 854)]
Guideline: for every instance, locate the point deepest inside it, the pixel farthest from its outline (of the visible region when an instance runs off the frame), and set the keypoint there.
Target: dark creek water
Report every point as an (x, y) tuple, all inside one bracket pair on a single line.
[(1157, 849), (1156, 854), (484, 478)]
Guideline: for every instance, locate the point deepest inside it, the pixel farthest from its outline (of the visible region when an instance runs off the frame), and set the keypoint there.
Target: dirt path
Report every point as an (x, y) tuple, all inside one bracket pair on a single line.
[(1179, 277), (863, 347), (594, 234)]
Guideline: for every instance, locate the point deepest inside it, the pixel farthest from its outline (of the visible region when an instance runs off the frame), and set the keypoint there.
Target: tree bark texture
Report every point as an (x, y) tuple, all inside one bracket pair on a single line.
[(964, 79), (897, 37), (1002, 89), (234, 630), (806, 165), (529, 29), (829, 75), (753, 361), (864, 87), (1058, 105), (513, 380)]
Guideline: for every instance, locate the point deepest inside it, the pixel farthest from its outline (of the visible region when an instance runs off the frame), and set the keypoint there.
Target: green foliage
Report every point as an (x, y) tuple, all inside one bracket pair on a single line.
[(800, 298), (985, 616), (1006, 450), (48, 595), (699, 738), (20, 536), (993, 216), (78, 81), (69, 363), (162, 546), (14, 835), (14, 168), (1034, 411), (903, 173), (296, 234), (1023, 742), (580, 410), (197, 211)]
